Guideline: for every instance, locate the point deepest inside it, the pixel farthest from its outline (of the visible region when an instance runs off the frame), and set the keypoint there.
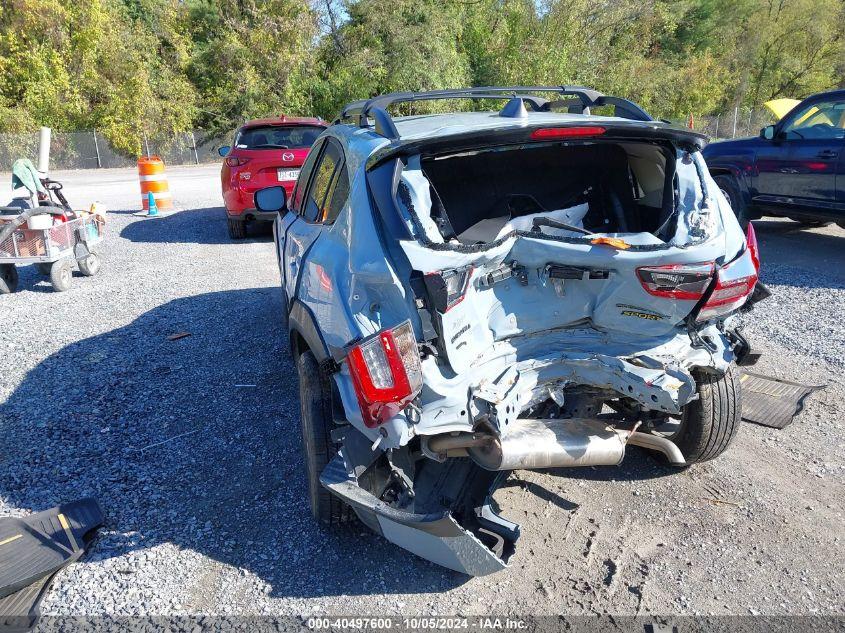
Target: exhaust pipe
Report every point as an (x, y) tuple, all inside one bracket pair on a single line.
[(534, 444)]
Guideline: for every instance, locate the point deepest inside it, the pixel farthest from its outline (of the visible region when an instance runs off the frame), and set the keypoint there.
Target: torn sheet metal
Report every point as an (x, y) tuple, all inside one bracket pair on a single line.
[(511, 373), (436, 537)]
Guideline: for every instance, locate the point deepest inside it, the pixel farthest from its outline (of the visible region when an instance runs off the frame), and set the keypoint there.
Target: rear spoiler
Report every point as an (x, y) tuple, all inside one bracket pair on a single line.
[(619, 130)]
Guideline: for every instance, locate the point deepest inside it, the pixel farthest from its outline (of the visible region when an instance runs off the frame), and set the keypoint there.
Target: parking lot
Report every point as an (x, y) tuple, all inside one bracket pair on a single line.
[(192, 447)]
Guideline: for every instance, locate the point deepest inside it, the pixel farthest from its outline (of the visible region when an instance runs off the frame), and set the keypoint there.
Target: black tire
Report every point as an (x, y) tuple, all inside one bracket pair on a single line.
[(709, 424), (44, 267), (315, 400), (810, 224), (730, 189), (8, 279), (237, 229), (90, 264), (61, 274)]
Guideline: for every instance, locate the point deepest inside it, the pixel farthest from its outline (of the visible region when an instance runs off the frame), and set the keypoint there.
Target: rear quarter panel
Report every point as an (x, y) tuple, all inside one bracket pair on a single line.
[(348, 280)]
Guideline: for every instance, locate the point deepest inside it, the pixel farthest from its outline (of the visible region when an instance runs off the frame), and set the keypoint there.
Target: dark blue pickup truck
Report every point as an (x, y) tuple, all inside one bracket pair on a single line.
[(795, 168)]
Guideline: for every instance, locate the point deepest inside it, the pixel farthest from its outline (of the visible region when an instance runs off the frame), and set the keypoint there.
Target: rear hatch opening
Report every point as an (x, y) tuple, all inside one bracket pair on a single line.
[(647, 193)]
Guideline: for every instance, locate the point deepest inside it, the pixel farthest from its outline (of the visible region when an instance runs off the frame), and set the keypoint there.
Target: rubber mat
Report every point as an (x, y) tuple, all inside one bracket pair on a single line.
[(772, 402), (19, 611), (34, 548)]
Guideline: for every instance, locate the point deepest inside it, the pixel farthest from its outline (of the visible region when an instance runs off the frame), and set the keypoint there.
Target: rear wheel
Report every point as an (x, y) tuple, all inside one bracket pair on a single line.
[(730, 189), (709, 424), (90, 264), (810, 224), (8, 279), (61, 274), (237, 229), (315, 400)]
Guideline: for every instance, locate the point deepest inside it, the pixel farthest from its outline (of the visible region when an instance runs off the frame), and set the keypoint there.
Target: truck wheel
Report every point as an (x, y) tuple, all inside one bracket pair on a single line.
[(8, 279), (810, 224), (61, 274), (730, 189), (90, 264), (315, 400), (237, 229), (709, 424)]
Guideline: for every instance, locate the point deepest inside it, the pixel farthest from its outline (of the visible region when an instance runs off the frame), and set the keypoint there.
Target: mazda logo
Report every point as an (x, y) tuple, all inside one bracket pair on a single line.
[(288, 156)]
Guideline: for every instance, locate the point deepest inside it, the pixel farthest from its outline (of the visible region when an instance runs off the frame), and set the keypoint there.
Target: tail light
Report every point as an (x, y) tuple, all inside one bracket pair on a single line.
[(545, 133), (735, 282), (386, 373), (447, 288), (753, 249), (234, 161), (688, 282)]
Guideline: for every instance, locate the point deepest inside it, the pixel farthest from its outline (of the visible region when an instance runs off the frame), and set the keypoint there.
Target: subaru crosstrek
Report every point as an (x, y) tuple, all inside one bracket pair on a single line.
[(265, 152), (473, 293)]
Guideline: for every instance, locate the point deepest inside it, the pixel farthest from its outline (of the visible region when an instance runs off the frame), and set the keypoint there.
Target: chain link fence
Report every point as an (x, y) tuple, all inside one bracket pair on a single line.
[(89, 150), (738, 123)]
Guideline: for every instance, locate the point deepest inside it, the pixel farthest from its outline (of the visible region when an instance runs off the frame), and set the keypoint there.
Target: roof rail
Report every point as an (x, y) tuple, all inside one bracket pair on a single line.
[(584, 99)]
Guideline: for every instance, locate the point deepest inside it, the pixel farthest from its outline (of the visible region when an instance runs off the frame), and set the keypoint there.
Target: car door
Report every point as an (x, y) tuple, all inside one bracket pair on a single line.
[(284, 222), (840, 190), (797, 169), (308, 211)]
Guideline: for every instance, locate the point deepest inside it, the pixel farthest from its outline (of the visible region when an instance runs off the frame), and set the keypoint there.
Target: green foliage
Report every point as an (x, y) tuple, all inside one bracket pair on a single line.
[(81, 64), (130, 68)]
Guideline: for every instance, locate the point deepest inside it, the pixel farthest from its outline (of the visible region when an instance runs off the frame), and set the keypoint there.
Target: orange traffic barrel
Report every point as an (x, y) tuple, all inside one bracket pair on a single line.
[(153, 179)]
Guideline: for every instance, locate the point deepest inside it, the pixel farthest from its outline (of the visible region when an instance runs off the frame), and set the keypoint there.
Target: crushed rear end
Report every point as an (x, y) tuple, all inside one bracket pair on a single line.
[(567, 285)]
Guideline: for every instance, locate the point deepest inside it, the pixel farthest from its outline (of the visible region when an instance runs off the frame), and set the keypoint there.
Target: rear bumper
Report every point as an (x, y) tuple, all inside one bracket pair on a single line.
[(240, 200), (436, 537), (252, 215)]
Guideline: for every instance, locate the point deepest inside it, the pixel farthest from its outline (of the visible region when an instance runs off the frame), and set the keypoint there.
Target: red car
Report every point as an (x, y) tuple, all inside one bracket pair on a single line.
[(265, 152)]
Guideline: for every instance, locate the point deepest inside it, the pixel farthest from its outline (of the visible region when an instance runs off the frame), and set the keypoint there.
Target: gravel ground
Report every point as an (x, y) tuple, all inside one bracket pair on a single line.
[(202, 483)]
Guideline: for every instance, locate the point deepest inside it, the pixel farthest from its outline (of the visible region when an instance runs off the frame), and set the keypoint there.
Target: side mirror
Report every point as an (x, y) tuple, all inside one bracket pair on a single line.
[(768, 132), (271, 199), (225, 149)]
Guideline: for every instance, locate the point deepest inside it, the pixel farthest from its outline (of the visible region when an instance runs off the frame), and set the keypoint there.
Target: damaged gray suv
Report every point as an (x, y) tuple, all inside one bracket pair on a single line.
[(473, 293)]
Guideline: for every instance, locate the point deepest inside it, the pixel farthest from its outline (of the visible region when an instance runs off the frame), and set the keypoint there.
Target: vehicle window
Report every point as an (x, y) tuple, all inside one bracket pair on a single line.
[(277, 137), (302, 182), (320, 184), (337, 195), (821, 120)]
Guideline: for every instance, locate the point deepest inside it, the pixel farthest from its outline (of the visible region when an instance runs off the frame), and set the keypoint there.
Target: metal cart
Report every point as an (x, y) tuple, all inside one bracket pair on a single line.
[(53, 250)]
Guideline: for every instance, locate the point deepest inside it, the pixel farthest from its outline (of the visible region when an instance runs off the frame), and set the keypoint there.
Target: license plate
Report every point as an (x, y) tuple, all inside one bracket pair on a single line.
[(288, 174)]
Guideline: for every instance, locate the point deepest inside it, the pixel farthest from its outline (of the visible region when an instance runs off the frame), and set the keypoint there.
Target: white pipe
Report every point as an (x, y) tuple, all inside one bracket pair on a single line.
[(659, 444), (44, 151)]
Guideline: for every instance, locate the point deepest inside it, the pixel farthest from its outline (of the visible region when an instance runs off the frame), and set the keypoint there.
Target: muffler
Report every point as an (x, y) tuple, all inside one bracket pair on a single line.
[(530, 444)]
